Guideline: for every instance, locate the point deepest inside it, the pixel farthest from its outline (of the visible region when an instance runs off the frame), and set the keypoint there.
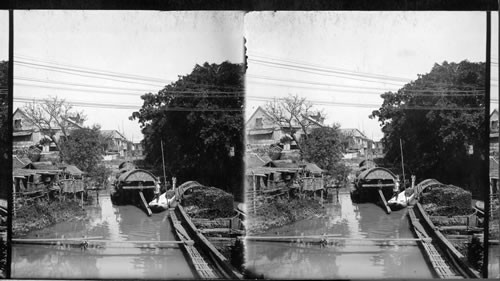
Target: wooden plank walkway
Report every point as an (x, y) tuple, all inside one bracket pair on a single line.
[(439, 265), (201, 266)]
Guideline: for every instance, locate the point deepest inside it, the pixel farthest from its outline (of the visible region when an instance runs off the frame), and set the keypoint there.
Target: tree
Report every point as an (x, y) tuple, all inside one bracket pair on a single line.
[(199, 120), (324, 147), (4, 103), (439, 117), (83, 148), (5, 145), (54, 117), (291, 114)]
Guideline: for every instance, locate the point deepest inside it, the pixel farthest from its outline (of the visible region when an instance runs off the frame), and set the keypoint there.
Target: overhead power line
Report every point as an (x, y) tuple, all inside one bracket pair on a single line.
[(131, 106), (81, 69), (361, 88), (107, 90), (326, 70), (344, 76), (89, 76), (329, 69), (100, 74)]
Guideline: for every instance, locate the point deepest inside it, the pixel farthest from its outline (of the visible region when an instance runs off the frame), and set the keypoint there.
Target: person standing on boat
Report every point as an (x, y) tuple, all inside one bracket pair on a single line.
[(157, 191)]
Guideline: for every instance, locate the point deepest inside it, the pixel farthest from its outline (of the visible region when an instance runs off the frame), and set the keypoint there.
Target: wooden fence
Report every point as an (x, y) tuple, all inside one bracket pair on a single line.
[(313, 183)]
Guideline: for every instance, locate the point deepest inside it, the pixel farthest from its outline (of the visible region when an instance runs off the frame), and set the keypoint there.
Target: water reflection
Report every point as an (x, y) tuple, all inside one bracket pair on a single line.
[(494, 261), (348, 259), (123, 223)]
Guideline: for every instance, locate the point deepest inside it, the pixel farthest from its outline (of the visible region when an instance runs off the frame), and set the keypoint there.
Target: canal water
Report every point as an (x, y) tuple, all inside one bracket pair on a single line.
[(125, 260), (494, 261), (345, 260)]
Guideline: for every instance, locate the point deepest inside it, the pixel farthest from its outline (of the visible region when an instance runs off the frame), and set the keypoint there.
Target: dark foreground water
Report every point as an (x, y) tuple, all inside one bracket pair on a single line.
[(351, 259), (117, 223)]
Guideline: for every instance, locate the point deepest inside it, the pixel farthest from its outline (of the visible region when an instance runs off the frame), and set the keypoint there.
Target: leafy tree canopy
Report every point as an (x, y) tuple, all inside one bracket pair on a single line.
[(439, 117), (199, 120), (4, 128), (84, 149), (4, 103), (324, 147)]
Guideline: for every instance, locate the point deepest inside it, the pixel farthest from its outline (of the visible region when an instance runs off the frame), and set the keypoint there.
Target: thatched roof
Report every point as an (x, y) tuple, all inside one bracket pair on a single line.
[(376, 173), (282, 164), (127, 165), (137, 175), (20, 162), (44, 166), (313, 168), (253, 160), (73, 170)]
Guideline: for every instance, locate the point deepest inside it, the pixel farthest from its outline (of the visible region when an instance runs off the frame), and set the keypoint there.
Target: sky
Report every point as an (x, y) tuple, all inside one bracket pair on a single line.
[(309, 53), (103, 61)]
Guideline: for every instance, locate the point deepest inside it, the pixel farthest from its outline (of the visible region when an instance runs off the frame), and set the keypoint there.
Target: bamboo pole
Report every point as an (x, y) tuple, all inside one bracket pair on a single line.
[(381, 194), (163, 161), (145, 204), (334, 237), (14, 240)]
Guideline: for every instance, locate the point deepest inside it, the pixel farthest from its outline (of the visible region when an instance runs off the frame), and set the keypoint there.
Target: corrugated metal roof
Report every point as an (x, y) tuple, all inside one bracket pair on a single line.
[(254, 132), (269, 170), (22, 133), (23, 172)]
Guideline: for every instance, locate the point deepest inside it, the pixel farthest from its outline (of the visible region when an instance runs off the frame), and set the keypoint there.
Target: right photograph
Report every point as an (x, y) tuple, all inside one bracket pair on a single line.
[(367, 145)]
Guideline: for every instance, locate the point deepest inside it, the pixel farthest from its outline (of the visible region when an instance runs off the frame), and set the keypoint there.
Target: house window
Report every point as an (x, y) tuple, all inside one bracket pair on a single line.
[(258, 123), (17, 124), (494, 126)]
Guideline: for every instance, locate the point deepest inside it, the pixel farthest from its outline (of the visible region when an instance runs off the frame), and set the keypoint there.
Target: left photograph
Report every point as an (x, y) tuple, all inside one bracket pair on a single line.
[(128, 142), (4, 137)]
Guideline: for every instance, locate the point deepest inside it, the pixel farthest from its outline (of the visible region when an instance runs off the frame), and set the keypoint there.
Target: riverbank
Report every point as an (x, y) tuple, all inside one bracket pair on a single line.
[(41, 214), (281, 211)]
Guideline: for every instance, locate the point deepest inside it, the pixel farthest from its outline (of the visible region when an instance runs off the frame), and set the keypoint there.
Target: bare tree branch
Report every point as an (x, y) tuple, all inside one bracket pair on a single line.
[(292, 113), (53, 115)]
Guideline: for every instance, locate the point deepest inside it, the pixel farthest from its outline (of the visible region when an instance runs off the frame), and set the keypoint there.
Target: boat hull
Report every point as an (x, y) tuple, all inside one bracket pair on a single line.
[(371, 194), (160, 205), (131, 196)]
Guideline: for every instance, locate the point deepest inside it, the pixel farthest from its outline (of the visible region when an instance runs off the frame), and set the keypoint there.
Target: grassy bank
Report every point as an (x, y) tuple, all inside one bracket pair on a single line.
[(281, 211), (42, 214)]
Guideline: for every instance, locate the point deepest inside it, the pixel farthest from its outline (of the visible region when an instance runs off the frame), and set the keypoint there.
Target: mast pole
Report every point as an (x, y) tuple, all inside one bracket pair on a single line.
[(402, 163), (163, 161)]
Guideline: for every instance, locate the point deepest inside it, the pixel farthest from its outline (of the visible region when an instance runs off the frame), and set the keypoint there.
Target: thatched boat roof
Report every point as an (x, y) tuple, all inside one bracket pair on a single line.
[(127, 165), (137, 175), (376, 173)]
